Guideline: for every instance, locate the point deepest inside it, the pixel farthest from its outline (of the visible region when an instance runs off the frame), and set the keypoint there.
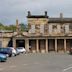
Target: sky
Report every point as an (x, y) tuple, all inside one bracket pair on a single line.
[(10, 10)]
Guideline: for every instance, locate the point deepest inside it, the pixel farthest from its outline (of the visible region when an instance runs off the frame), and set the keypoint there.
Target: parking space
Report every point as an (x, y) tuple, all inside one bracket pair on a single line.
[(51, 62)]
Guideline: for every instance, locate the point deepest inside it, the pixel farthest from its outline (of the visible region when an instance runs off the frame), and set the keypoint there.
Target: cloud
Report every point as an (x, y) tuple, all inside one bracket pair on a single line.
[(12, 9)]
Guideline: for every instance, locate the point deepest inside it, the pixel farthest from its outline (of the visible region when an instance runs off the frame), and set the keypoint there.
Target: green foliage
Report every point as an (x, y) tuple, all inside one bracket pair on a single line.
[(10, 27), (1, 26), (23, 27)]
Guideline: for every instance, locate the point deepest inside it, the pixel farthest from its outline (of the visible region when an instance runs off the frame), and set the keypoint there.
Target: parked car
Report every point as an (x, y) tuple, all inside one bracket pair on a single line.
[(17, 52), (3, 57), (21, 49), (6, 51), (70, 50), (13, 51)]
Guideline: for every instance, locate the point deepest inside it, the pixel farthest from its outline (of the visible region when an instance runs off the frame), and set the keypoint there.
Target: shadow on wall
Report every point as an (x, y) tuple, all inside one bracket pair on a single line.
[(10, 44)]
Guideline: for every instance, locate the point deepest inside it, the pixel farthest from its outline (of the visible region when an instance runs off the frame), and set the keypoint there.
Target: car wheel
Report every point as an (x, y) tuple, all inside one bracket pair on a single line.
[(13, 54), (10, 55), (22, 52)]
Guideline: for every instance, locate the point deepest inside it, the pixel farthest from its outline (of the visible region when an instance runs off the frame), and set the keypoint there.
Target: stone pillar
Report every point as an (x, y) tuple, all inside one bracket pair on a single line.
[(14, 43), (46, 45), (56, 45), (27, 45), (37, 44), (2, 42), (65, 45)]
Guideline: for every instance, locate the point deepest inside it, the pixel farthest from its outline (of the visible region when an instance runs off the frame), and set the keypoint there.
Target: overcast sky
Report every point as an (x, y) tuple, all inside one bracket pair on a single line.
[(10, 10)]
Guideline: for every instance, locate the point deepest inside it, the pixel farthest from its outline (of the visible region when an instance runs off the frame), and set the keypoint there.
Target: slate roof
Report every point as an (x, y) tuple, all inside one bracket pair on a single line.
[(37, 16), (51, 19), (60, 20)]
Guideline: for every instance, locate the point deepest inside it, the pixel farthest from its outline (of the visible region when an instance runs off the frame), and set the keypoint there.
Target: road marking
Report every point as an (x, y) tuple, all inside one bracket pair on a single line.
[(67, 69), (70, 65)]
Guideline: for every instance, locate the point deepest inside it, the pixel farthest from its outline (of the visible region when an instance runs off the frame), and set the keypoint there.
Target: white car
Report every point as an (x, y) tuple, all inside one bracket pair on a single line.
[(21, 49), (13, 51)]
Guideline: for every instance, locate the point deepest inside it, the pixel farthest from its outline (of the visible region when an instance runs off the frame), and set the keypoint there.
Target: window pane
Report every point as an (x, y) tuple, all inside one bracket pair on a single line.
[(70, 27), (41, 28)]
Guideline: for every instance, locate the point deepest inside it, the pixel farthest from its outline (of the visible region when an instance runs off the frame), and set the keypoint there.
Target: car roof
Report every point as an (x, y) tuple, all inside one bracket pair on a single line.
[(2, 54)]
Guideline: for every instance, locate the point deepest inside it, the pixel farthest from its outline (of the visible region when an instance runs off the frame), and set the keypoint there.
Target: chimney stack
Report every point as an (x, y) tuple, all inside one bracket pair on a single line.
[(45, 13), (29, 14), (61, 15)]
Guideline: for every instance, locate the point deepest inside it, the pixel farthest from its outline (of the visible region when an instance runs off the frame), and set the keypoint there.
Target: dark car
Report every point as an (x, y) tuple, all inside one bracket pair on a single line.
[(6, 51), (3, 57)]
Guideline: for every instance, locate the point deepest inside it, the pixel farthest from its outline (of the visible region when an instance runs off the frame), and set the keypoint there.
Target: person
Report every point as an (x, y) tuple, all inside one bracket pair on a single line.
[(30, 49)]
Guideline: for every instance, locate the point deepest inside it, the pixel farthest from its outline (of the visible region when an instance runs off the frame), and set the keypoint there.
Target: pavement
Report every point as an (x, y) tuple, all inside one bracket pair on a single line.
[(49, 62)]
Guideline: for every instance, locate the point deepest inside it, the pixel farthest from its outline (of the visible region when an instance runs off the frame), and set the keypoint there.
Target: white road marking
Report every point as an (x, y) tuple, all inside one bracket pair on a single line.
[(67, 69), (70, 65)]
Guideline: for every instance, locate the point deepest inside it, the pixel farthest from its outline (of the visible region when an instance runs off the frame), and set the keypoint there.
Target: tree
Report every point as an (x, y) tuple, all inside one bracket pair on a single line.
[(1, 26), (10, 27), (23, 27)]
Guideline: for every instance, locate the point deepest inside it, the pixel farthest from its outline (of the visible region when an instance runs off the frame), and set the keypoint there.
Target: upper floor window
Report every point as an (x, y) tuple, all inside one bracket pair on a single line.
[(70, 27), (32, 30), (54, 27), (66, 28), (37, 26), (42, 28)]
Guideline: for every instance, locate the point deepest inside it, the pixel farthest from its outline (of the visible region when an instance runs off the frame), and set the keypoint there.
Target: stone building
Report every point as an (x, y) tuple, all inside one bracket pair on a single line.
[(45, 34)]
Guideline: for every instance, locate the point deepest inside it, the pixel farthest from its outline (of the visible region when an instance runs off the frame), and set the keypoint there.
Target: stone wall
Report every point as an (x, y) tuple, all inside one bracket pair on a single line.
[(39, 24), (5, 42)]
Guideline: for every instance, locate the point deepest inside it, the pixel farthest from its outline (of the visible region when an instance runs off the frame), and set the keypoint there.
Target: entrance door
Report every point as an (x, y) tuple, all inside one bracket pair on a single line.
[(32, 44), (51, 44), (68, 44), (42, 45), (60, 45), (20, 43)]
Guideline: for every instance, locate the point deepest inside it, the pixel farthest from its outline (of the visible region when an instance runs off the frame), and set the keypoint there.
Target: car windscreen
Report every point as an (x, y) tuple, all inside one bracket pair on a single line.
[(5, 49), (19, 48)]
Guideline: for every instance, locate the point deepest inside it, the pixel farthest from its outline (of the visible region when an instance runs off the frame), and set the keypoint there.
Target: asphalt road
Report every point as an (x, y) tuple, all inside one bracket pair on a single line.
[(51, 62)]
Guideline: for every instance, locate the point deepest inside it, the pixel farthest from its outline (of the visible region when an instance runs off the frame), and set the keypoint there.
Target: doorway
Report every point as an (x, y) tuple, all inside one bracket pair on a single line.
[(51, 44), (20, 43)]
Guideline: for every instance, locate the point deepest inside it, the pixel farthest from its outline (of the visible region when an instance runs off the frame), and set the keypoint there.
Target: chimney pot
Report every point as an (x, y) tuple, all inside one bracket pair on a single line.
[(45, 13), (29, 14), (61, 15)]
